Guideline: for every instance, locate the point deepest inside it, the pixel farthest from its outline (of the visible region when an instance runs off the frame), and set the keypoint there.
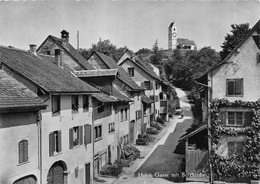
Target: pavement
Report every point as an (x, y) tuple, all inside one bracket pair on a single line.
[(130, 174)]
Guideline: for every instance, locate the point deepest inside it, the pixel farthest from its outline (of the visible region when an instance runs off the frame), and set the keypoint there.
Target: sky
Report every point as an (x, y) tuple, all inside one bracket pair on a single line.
[(135, 24)]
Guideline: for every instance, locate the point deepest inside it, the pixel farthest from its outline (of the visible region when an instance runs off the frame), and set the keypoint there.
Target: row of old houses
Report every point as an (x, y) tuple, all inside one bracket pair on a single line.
[(63, 117), (225, 146)]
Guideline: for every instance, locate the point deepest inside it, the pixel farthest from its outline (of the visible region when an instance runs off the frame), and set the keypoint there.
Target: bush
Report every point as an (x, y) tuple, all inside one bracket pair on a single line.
[(160, 120), (111, 170), (142, 139), (152, 130), (158, 126)]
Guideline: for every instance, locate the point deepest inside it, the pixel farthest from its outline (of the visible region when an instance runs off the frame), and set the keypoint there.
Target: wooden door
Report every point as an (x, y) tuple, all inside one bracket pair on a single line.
[(26, 180), (87, 173), (56, 174)]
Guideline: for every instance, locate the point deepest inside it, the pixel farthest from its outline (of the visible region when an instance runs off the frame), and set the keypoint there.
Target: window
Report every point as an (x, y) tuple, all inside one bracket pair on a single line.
[(55, 105), (87, 134), (138, 114), (85, 103), (125, 114), (101, 107), (54, 142), (258, 57), (145, 108), (236, 118), (234, 87), (75, 103), (111, 127), (236, 148), (157, 86), (48, 52), (98, 132), (23, 151), (122, 115), (148, 85), (76, 136), (131, 72)]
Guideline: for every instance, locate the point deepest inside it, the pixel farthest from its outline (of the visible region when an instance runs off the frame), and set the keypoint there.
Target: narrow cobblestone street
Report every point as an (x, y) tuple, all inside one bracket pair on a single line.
[(164, 158)]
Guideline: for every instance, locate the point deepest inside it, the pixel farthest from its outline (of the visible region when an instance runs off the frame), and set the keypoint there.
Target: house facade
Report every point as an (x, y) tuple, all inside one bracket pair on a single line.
[(231, 96), (128, 87), (144, 75), (110, 116), (65, 143), (19, 131)]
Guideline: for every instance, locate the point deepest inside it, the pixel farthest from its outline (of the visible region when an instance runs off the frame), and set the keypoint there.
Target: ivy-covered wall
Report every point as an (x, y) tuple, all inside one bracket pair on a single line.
[(235, 167)]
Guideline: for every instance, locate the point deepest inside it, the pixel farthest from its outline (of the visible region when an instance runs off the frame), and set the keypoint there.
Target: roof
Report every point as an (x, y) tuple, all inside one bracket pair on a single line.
[(15, 96), (70, 51), (96, 73), (104, 98), (254, 28), (43, 73), (201, 127), (123, 76), (146, 67), (184, 41), (146, 100), (171, 25), (121, 96)]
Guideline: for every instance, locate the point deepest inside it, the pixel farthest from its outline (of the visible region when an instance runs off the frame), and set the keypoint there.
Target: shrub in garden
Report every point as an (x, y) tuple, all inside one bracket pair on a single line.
[(160, 120), (152, 130)]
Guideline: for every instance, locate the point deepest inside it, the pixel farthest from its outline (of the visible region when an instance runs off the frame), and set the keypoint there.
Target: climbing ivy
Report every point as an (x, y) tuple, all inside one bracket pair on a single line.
[(241, 166)]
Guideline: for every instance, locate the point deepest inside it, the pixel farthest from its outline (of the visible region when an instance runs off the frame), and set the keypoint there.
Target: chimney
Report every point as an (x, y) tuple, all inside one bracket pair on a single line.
[(33, 49), (65, 37), (58, 58)]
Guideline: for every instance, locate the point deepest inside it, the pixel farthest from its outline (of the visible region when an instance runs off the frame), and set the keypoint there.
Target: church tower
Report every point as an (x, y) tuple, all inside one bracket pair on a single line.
[(172, 36)]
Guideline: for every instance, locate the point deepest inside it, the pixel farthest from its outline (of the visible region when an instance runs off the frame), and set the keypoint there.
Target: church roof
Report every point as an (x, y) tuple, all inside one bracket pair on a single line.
[(171, 25), (184, 41)]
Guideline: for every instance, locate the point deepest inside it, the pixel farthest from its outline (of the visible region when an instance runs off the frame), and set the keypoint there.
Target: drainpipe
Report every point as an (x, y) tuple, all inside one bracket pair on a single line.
[(39, 128), (154, 87), (209, 79)]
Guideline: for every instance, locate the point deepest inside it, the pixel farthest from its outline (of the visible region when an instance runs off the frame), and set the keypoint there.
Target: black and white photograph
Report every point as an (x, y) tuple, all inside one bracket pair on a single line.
[(129, 91)]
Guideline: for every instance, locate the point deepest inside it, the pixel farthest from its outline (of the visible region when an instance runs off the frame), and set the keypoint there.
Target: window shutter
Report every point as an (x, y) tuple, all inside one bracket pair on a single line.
[(59, 141), (223, 118), (80, 135), (230, 87), (238, 86), (25, 149), (248, 118), (87, 134), (20, 148), (71, 138), (151, 85), (142, 84), (51, 144)]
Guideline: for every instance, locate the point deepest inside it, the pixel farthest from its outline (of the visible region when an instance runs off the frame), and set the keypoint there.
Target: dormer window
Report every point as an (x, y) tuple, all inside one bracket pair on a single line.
[(131, 71)]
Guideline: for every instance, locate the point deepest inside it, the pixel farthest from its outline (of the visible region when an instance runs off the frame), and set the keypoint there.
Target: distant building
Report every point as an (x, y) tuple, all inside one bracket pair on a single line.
[(178, 43)]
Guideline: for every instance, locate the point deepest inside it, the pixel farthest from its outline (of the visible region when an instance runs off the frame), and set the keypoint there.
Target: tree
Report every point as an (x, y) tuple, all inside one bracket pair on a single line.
[(157, 55), (238, 33), (183, 66), (144, 51), (104, 46)]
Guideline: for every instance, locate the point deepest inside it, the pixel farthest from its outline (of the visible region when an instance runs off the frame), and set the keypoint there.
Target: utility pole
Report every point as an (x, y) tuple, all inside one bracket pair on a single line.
[(78, 40)]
